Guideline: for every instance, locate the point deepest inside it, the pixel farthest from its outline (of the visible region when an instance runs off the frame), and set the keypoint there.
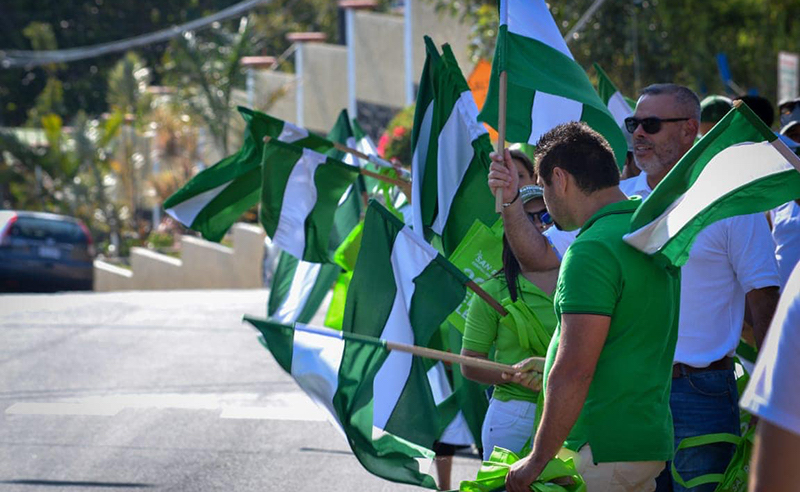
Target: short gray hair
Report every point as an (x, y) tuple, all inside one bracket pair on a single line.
[(684, 97)]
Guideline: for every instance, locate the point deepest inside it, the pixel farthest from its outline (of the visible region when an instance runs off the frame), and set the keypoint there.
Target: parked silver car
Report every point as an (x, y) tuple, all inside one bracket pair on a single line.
[(44, 252)]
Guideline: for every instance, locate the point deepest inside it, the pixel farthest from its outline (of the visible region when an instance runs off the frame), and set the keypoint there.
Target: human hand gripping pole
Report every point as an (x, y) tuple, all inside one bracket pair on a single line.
[(501, 134), (503, 177), (528, 373)]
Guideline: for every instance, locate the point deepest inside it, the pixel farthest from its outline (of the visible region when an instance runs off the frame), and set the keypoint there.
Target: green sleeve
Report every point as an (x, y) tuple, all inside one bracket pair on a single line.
[(480, 331), (590, 280)]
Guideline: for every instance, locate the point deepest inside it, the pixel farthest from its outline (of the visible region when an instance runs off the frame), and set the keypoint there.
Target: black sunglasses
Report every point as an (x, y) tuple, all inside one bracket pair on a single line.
[(543, 216), (650, 125), (787, 108)]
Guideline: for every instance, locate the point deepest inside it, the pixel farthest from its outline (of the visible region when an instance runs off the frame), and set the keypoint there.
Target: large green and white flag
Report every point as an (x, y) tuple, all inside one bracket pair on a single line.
[(298, 288), (421, 134), (618, 105), (300, 194), (452, 182), (546, 87), (402, 290), (740, 167), (216, 197), (339, 372)]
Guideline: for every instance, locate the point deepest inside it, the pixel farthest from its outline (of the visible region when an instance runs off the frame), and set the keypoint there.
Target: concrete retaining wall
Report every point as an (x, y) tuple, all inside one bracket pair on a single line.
[(203, 265)]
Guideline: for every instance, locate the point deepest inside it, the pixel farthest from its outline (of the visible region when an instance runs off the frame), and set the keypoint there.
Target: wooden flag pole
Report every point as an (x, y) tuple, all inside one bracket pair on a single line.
[(486, 297), (443, 356), (501, 134), (425, 352), (377, 161), (380, 177)]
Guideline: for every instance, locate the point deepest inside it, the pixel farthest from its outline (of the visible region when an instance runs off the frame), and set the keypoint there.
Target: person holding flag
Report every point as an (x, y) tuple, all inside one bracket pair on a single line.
[(730, 266), (524, 333), (608, 365)]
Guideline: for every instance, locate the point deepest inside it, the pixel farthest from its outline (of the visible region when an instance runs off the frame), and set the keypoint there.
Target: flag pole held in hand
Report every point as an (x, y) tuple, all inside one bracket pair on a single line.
[(501, 136), (424, 352)]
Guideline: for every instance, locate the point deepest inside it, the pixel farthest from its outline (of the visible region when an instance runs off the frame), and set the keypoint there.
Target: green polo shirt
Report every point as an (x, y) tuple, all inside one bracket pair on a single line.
[(626, 415), (483, 330)]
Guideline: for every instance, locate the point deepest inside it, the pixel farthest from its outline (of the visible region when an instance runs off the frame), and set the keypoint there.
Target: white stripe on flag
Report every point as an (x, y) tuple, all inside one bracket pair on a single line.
[(292, 133), (305, 276), (315, 366), (410, 256), (457, 431), (733, 168), (619, 108), (455, 154), (299, 199), (185, 212), (418, 161), (549, 111), (348, 157), (532, 19)]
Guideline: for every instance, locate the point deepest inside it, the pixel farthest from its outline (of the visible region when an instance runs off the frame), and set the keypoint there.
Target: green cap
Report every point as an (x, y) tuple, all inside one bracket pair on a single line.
[(530, 192), (713, 108)]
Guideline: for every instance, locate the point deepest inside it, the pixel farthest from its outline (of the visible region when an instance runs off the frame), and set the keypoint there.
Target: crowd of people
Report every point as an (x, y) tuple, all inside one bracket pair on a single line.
[(640, 356)]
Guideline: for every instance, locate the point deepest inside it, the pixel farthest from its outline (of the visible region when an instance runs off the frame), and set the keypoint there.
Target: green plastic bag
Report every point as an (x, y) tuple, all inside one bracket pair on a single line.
[(523, 321), (492, 475), (736, 474), (480, 257)]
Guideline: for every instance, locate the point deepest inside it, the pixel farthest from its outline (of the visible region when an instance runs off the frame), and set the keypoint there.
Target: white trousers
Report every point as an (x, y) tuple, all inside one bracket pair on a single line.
[(508, 424)]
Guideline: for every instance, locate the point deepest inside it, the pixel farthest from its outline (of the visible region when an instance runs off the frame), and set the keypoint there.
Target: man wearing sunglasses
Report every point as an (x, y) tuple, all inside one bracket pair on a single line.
[(730, 266)]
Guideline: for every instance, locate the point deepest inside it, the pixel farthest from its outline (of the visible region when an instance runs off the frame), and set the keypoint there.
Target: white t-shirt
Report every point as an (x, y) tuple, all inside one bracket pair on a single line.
[(728, 259), (560, 240), (786, 234), (774, 389)]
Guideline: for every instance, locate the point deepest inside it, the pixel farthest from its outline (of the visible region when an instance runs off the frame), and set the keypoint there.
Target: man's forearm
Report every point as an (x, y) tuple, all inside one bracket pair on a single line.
[(762, 303), (566, 393), (531, 248)]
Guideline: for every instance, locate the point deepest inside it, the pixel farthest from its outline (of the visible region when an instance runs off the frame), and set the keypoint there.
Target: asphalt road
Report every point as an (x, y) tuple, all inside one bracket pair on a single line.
[(160, 391)]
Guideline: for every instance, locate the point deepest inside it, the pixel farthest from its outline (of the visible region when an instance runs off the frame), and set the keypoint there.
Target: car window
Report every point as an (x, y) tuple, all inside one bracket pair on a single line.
[(43, 229)]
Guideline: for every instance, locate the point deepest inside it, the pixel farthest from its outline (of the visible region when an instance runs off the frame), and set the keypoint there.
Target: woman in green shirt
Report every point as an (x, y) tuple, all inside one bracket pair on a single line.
[(525, 332)]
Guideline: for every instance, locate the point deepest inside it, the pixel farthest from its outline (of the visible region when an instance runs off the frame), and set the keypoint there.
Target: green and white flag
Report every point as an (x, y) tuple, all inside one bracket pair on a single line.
[(298, 288), (546, 87), (740, 167), (300, 195), (452, 180), (338, 371), (421, 134), (618, 105), (401, 291), (216, 197)]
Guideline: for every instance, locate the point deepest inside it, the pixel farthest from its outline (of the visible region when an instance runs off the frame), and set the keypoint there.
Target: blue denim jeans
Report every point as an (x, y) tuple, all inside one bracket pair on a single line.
[(701, 403)]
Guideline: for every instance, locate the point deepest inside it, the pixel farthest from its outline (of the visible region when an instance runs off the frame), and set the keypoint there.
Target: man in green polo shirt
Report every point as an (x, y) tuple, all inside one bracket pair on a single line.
[(609, 365)]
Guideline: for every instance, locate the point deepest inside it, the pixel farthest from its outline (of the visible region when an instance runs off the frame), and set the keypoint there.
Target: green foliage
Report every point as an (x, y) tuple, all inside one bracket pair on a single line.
[(204, 68), (159, 240), (641, 42), (127, 85)]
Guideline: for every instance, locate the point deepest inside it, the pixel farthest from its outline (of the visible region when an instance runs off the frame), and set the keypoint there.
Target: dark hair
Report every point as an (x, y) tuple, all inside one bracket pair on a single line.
[(683, 96), (761, 107), (580, 151), (524, 159), (511, 269)]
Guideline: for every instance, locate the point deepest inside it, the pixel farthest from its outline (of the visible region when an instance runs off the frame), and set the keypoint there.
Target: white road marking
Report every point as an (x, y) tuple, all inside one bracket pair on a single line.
[(274, 406)]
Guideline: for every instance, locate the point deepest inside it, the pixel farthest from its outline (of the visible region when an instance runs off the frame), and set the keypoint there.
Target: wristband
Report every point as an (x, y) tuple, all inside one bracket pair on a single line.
[(506, 205)]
